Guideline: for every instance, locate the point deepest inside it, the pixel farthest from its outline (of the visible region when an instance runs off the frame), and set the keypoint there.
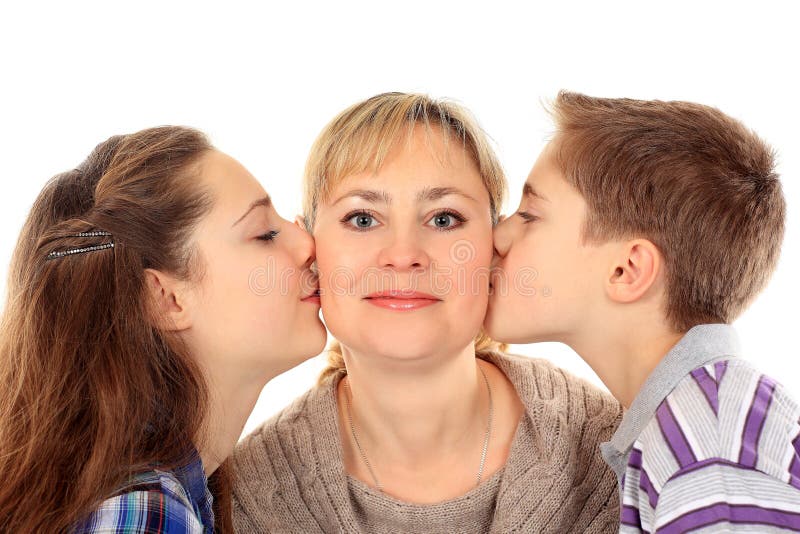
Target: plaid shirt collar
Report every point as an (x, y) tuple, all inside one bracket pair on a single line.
[(193, 478)]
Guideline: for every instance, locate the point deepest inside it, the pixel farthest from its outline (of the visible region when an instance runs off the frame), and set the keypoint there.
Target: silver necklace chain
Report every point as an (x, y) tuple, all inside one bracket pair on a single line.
[(485, 450)]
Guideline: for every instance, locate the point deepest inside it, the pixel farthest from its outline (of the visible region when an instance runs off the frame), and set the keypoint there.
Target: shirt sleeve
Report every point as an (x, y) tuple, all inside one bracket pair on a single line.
[(726, 495), (141, 512)]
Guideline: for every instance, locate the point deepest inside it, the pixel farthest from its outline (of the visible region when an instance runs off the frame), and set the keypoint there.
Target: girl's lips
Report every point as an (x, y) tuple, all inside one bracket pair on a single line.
[(312, 298), (402, 300)]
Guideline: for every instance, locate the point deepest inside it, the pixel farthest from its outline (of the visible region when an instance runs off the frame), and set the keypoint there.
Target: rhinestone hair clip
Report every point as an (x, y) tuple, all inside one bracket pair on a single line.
[(53, 255)]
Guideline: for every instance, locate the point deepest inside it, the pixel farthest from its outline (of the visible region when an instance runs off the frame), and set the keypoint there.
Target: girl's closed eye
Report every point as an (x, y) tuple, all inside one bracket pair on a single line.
[(446, 220), (269, 236)]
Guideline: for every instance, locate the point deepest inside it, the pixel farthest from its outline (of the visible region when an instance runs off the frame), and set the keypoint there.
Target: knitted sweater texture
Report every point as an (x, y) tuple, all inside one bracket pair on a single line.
[(289, 474)]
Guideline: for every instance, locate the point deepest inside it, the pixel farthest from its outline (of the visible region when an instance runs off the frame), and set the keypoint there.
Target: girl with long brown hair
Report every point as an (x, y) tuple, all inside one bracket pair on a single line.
[(153, 292)]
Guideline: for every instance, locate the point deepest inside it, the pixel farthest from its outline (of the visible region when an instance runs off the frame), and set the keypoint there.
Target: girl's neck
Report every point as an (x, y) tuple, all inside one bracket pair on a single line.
[(231, 403)]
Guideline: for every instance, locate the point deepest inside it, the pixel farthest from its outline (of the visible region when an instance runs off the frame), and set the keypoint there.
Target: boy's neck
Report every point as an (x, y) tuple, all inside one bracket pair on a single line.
[(624, 357)]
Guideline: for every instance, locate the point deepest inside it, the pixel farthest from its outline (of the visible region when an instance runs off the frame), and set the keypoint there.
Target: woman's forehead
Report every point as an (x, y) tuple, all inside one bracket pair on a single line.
[(416, 163)]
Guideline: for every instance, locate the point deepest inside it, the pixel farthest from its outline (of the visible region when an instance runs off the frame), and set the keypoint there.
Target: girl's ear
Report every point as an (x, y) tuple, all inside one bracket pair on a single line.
[(169, 298)]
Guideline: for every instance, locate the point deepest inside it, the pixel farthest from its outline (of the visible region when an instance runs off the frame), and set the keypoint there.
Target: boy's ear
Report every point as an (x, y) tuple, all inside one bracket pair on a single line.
[(634, 271), (169, 300)]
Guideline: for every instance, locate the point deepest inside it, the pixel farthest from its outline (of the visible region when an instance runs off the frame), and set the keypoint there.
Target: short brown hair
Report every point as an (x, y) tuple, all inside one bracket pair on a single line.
[(697, 183)]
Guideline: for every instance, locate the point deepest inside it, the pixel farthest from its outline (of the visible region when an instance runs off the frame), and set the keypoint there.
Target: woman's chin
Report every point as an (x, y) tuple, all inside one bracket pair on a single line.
[(404, 346)]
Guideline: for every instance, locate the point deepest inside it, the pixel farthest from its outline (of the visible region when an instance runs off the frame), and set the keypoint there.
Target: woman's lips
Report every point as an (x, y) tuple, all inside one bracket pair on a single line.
[(401, 300)]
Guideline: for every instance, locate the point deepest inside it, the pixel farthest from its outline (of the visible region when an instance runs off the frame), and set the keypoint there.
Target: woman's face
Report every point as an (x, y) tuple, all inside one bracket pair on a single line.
[(251, 311), (404, 253)]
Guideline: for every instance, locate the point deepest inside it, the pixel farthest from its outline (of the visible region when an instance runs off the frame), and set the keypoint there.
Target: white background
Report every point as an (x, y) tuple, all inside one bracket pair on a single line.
[(263, 79)]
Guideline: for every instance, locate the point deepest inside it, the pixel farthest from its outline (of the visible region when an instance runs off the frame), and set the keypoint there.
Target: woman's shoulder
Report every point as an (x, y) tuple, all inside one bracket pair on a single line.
[(154, 502), (540, 382), (295, 417)]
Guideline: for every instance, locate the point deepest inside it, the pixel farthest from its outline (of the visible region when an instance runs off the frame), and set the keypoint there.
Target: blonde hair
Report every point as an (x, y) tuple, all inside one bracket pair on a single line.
[(359, 139)]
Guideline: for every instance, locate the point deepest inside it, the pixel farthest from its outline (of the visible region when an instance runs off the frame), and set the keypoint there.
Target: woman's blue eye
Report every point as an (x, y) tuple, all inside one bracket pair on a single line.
[(447, 220), (269, 236), (360, 220)]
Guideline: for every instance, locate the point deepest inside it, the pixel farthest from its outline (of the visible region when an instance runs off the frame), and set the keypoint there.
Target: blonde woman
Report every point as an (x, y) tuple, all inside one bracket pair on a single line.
[(421, 423)]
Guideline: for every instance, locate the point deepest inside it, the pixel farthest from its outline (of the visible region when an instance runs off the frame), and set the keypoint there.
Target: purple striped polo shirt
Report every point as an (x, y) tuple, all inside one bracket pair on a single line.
[(708, 445)]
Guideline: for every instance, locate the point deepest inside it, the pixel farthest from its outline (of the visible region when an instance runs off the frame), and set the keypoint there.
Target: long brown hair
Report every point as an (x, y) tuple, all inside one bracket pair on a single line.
[(90, 391)]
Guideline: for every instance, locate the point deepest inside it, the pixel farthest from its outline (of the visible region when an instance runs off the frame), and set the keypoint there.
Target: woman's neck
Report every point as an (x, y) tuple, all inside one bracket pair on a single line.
[(410, 412)]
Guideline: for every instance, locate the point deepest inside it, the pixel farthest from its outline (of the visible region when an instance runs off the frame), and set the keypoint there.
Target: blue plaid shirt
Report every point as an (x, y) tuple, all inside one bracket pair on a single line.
[(156, 502)]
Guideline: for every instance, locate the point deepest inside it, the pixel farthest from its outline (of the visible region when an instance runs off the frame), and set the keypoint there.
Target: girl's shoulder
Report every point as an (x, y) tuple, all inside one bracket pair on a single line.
[(153, 502)]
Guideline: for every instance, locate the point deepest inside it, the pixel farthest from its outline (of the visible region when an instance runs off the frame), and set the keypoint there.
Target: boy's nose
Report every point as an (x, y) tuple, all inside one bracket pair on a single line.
[(502, 237)]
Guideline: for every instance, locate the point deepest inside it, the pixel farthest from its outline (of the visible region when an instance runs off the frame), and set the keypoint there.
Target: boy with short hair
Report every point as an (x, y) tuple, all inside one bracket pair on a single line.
[(653, 225)]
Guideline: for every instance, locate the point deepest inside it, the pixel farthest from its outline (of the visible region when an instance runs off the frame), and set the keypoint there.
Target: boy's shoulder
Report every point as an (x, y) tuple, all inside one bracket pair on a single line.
[(725, 442), (725, 413)]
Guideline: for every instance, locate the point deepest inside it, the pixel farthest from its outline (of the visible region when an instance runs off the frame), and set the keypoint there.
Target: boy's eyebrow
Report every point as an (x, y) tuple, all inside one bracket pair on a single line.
[(528, 190), (374, 197), (431, 194), (265, 201)]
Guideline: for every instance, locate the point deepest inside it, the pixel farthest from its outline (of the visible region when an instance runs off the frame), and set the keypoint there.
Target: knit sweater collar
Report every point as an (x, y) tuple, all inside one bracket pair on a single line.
[(524, 455)]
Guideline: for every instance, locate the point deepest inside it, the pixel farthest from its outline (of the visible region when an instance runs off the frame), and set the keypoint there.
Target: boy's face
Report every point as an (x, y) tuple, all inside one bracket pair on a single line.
[(546, 281)]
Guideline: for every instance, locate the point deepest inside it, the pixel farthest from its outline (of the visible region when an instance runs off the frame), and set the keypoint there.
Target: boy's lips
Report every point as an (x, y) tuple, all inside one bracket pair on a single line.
[(402, 300)]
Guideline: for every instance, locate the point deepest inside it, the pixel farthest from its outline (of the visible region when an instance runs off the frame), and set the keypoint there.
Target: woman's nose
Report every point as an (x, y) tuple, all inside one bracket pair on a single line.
[(404, 251)]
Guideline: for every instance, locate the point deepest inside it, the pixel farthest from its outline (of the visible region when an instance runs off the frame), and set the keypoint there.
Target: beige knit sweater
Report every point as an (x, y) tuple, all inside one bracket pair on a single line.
[(290, 477)]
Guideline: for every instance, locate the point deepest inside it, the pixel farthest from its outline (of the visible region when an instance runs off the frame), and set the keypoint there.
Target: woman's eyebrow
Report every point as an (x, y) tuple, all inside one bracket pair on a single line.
[(375, 197), (430, 194)]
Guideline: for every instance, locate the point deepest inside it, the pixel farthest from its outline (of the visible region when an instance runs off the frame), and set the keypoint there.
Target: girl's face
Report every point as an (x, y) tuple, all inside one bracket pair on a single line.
[(251, 313), (404, 253)]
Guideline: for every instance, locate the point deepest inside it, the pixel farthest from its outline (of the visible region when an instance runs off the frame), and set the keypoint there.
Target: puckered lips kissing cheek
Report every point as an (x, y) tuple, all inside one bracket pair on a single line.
[(398, 300), (309, 286), (497, 274)]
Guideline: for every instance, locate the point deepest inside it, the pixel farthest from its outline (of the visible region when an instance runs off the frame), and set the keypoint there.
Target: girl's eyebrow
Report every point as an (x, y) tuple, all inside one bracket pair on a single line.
[(265, 201)]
